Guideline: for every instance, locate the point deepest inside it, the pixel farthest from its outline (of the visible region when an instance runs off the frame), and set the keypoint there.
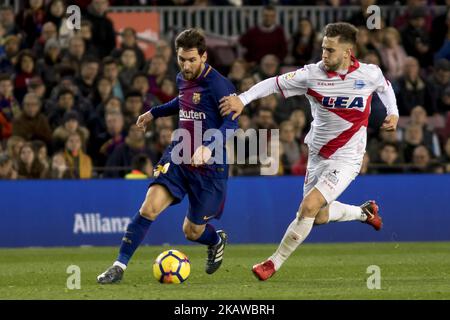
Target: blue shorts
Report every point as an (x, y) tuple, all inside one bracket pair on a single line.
[(206, 194)]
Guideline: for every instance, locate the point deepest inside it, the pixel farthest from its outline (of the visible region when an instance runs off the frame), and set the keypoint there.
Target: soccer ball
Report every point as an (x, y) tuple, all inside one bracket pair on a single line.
[(171, 266)]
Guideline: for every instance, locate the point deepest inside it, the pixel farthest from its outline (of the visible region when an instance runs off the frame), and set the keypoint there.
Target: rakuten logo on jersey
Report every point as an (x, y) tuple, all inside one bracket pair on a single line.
[(191, 115), (343, 102)]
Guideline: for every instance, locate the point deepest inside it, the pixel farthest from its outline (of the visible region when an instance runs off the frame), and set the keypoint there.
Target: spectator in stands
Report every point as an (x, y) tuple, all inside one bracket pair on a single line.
[(157, 72), (412, 90), (9, 106), (141, 168), (238, 71), (105, 143), (393, 55), (430, 139), (439, 29), (169, 88), (48, 67), (13, 146), (359, 18), (111, 72), (444, 50), (303, 42), (37, 86), (32, 124), (413, 137), (79, 163), (65, 103), (87, 80), (102, 92), (362, 42), (41, 152), (104, 35), (59, 168), (298, 119), (266, 38), (86, 33), (129, 41), (376, 143), (164, 139), (415, 38), (439, 80), (75, 53), (128, 68), (30, 20), (388, 159), (445, 159), (7, 171), (123, 154), (133, 108), (164, 49), (444, 102), (140, 83), (56, 13), (421, 160), (29, 167), (48, 32), (269, 67), (290, 146), (7, 19), (11, 48), (96, 123), (415, 8), (71, 124), (25, 69)]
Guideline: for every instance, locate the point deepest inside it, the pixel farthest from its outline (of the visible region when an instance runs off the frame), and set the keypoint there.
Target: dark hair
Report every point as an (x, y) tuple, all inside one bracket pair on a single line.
[(139, 162), (133, 93), (390, 144), (89, 59), (345, 31), (190, 39), (65, 91), (138, 75), (109, 60), (5, 77)]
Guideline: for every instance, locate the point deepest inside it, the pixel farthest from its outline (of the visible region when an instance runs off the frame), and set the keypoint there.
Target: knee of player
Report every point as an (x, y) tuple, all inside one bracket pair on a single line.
[(191, 235), (308, 208), (149, 212)]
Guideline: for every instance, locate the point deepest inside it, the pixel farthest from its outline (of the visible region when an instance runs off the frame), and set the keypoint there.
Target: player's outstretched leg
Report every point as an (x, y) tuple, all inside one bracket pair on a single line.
[(340, 212), (295, 234), (215, 240), (157, 199)]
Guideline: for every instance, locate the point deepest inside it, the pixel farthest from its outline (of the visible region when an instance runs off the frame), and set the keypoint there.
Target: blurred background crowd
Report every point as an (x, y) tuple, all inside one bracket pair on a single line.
[(69, 99)]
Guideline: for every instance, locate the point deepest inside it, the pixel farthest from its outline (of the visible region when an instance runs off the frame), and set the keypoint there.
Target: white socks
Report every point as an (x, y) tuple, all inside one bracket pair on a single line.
[(120, 264), (297, 231), (344, 212)]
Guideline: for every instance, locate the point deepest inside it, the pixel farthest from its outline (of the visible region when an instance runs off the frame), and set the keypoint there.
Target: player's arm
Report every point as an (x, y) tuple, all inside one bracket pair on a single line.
[(168, 109), (387, 96), (288, 84)]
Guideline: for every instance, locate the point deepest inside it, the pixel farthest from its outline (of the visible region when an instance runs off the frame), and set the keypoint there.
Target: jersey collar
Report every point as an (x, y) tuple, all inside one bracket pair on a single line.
[(353, 66)]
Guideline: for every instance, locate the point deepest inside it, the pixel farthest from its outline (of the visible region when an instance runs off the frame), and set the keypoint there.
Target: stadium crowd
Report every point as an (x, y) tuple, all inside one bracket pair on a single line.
[(69, 99)]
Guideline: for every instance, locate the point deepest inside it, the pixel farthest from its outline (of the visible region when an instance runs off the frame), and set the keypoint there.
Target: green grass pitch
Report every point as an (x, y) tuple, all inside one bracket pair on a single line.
[(314, 271)]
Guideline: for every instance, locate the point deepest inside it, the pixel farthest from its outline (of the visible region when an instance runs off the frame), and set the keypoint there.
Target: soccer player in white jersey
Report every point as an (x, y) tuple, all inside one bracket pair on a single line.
[(339, 89)]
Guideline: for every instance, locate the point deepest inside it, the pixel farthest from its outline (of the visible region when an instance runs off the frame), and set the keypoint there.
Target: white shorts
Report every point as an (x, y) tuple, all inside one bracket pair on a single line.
[(330, 177)]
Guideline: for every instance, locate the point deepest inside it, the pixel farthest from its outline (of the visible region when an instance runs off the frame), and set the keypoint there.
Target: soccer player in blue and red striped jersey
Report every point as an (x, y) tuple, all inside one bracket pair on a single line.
[(200, 89)]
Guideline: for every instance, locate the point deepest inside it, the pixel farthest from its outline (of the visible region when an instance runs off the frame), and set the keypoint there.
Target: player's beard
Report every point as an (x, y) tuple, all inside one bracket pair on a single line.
[(333, 67), (193, 74)]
